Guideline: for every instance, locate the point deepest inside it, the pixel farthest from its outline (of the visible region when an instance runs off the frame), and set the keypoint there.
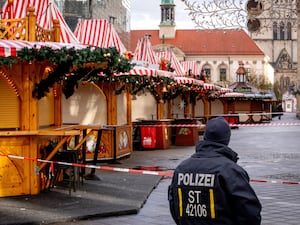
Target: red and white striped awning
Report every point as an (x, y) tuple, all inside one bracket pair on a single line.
[(233, 94), (208, 86), (46, 11), (188, 80), (171, 57), (144, 53), (10, 47), (140, 71), (165, 73), (190, 65), (100, 33), (225, 90)]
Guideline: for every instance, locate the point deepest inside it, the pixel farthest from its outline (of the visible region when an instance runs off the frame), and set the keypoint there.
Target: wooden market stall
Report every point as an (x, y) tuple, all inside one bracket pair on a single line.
[(246, 103), (106, 101), (171, 104), (35, 71)]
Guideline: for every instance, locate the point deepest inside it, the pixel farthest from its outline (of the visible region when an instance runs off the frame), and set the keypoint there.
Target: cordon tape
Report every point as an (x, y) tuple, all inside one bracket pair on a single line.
[(232, 125), (127, 170)]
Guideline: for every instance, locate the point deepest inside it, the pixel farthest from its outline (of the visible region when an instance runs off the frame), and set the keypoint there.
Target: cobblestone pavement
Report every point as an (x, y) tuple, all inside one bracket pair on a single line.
[(269, 153)]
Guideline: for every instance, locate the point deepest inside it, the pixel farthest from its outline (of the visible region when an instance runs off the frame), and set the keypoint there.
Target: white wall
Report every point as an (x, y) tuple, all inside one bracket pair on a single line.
[(86, 106), (144, 107), (122, 109), (178, 108), (257, 65)]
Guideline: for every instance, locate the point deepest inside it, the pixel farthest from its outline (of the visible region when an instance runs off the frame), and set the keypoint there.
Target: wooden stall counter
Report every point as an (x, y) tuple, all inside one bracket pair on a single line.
[(19, 151), (115, 142), (21, 173)]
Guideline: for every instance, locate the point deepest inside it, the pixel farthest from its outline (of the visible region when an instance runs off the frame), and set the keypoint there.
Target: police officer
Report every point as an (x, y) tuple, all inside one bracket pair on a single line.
[(209, 187)]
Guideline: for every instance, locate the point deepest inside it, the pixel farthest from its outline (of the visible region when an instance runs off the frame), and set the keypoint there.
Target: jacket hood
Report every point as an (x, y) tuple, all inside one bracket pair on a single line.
[(217, 130), (211, 149)]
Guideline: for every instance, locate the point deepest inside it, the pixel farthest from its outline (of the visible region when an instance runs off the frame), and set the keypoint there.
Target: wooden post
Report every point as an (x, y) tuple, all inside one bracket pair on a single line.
[(170, 109), (111, 104), (187, 106), (57, 89), (206, 107), (31, 24), (56, 27), (160, 110), (129, 108), (193, 110), (29, 106)]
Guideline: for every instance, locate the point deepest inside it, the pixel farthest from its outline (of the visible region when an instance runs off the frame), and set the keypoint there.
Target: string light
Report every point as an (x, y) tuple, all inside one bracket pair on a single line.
[(11, 83), (240, 14)]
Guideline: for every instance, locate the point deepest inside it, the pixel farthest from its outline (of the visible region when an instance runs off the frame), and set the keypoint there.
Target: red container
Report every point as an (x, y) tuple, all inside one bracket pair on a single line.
[(186, 135), (148, 137)]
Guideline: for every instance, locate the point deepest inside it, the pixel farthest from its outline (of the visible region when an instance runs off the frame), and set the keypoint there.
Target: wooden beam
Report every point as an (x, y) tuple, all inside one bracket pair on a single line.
[(54, 151)]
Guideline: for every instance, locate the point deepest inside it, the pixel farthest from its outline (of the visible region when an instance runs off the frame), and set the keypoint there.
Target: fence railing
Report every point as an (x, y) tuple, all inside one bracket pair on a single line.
[(27, 29)]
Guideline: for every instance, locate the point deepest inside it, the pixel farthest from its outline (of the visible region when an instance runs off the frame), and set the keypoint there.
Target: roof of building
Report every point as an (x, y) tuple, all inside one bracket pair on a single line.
[(204, 42)]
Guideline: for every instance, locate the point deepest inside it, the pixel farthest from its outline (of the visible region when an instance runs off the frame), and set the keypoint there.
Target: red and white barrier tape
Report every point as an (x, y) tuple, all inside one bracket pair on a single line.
[(107, 168), (266, 124), (233, 125), (274, 181), (126, 170)]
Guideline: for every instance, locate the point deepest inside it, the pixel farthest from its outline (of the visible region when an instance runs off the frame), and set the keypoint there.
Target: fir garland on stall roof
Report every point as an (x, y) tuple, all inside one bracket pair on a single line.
[(74, 66), (71, 66)]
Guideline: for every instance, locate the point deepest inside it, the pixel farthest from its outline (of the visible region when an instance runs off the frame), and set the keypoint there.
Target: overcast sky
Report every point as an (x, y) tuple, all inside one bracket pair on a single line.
[(145, 14)]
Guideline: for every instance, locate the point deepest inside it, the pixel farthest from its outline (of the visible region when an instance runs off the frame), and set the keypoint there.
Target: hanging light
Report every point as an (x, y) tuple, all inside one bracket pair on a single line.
[(164, 89)]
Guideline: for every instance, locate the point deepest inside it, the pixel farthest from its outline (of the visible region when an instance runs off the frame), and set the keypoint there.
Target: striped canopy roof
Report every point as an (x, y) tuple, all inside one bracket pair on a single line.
[(171, 57), (144, 54), (100, 33), (10, 48), (140, 71), (46, 11), (190, 65), (188, 80)]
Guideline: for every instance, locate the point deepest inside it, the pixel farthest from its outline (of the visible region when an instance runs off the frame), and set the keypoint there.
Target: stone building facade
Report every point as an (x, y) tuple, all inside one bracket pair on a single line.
[(277, 37)]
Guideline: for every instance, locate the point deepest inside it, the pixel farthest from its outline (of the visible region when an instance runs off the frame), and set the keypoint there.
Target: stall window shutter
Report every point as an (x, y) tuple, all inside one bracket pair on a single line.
[(46, 110), (9, 106)]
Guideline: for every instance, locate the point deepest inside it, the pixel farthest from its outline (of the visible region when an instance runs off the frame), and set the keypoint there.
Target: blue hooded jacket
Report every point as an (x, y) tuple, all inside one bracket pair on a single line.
[(210, 188)]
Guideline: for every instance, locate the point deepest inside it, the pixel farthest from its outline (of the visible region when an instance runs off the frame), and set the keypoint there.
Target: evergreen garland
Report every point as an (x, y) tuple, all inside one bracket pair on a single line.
[(92, 64)]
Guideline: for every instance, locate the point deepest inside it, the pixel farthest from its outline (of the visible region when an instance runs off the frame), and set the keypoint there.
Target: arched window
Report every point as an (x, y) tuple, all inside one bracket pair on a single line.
[(275, 31), (281, 31), (207, 69), (289, 31), (281, 82), (287, 82), (222, 72)]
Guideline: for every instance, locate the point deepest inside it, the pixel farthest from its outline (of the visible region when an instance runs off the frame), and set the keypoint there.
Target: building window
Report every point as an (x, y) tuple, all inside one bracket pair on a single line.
[(248, 74), (284, 83), (112, 19), (281, 31), (222, 74), (275, 31), (289, 31), (207, 72)]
